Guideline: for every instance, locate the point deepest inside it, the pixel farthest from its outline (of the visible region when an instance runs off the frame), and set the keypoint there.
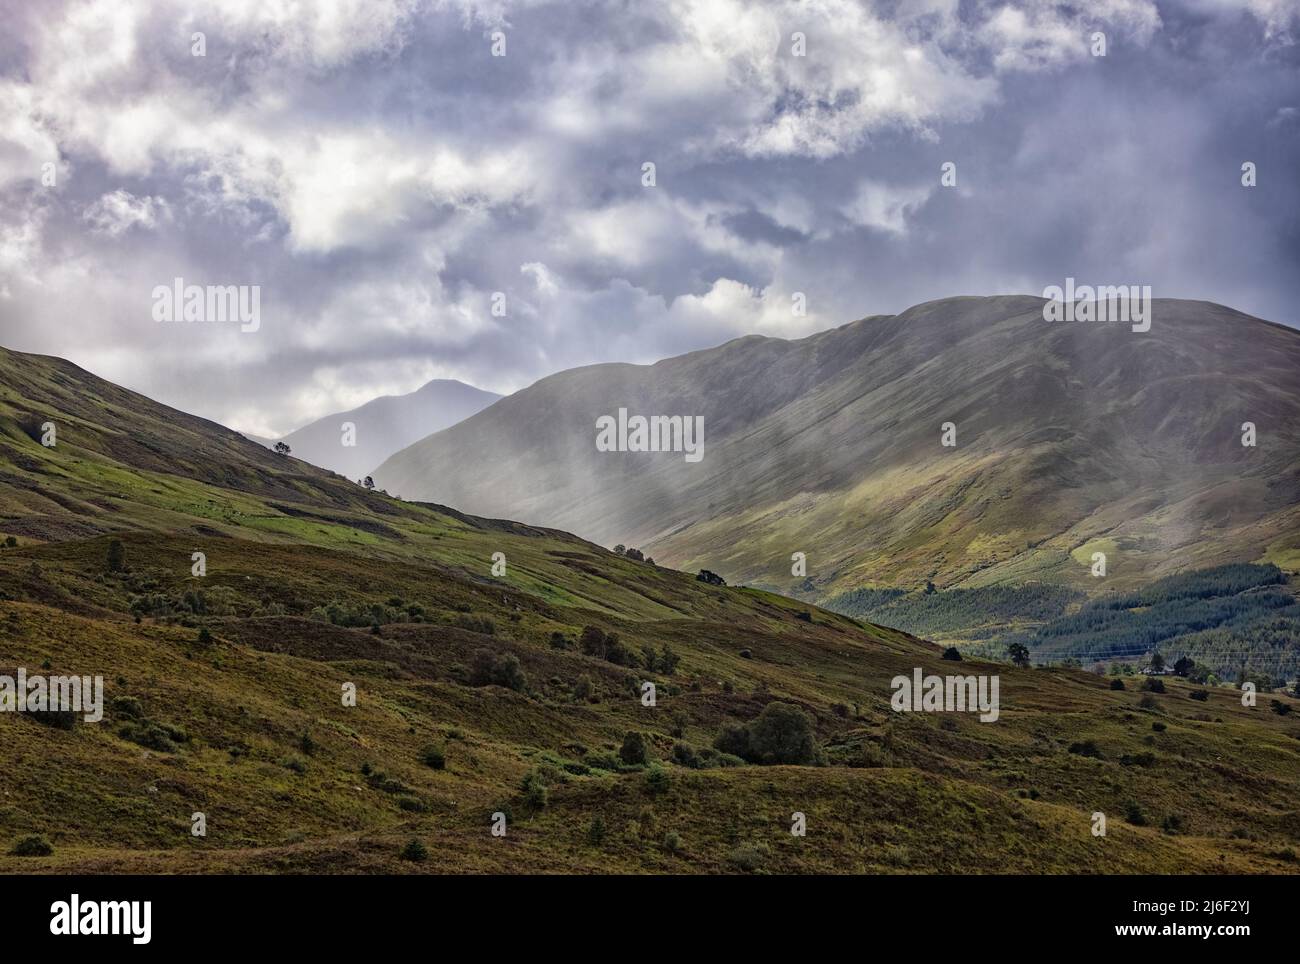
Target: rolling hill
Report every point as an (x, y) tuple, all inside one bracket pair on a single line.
[(521, 693), (1071, 439), (383, 426)]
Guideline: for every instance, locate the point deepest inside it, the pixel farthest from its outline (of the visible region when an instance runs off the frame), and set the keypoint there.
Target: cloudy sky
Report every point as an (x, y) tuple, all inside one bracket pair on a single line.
[(380, 174)]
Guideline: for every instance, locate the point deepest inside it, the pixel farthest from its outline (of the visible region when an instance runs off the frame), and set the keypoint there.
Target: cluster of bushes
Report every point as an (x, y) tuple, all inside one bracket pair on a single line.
[(354, 615), (487, 668), (703, 758), (33, 845), (383, 782), (475, 624), (609, 647), (636, 555), (782, 733), (162, 737), (138, 728)]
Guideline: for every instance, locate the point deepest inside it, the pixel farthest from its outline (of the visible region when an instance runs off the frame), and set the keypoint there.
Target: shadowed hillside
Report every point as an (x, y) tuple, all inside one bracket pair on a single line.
[(1071, 438)]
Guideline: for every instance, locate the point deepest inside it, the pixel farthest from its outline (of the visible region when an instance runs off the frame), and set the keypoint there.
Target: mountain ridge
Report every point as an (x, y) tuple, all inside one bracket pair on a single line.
[(1043, 412)]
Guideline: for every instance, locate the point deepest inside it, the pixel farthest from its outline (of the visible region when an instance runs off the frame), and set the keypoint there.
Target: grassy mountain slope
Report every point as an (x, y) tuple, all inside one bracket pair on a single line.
[(1071, 438), (312, 583)]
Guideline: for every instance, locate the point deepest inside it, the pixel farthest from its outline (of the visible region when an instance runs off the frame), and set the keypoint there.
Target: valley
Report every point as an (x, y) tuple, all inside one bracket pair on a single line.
[(521, 695)]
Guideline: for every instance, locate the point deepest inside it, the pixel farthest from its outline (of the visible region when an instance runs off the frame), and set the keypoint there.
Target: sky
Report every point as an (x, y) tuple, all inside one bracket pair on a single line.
[(389, 172)]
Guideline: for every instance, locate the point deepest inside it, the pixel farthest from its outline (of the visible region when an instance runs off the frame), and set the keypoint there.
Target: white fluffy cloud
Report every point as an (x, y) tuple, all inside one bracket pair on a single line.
[(119, 211)]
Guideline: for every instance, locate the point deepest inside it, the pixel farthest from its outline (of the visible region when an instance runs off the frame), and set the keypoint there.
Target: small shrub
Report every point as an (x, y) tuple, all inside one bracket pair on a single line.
[(582, 689), (504, 670), (415, 851), (1117, 684), (656, 780), (434, 757), (308, 745), (34, 845), (749, 857), (1133, 814), (1158, 726), (592, 641), (672, 842), (1085, 748), (596, 831), (116, 556), (603, 760), (733, 739), (1148, 702), (534, 791), (149, 735), (476, 624), (685, 755), (127, 706), (1201, 695), (952, 653), (634, 752), (1154, 684), (58, 719)]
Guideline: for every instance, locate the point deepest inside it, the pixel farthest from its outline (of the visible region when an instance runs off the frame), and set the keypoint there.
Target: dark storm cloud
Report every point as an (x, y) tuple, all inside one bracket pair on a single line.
[(380, 174)]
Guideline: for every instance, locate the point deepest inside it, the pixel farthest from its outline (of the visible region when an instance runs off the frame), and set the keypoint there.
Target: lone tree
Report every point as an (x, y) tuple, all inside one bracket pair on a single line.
[(1157, 662), (1184, 665), (1019, 654), (712, 578), (369, 483), (116, 556), (282, 448), (782, 733)]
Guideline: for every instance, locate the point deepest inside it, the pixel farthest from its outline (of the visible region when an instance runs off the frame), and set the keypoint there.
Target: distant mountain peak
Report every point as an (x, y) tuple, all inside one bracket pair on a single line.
[(384, 425)]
